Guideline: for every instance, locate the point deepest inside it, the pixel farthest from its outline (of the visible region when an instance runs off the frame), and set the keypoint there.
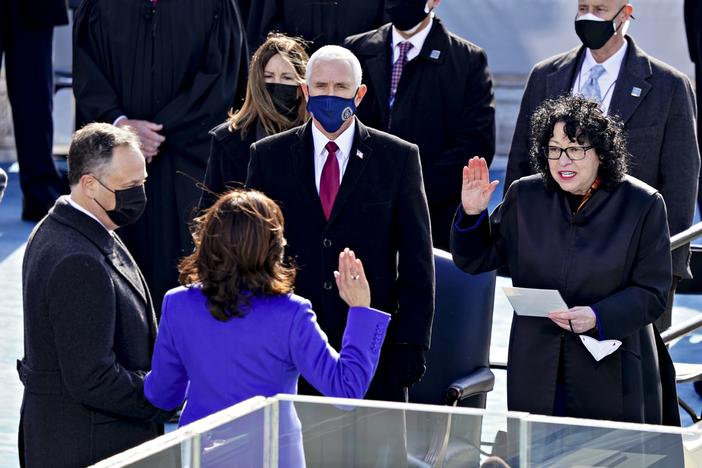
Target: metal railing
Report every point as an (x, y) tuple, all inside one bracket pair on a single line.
[(678, 240)]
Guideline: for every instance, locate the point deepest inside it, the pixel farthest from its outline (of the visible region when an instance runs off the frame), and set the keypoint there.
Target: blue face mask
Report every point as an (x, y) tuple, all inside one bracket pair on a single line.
[(331, 111)]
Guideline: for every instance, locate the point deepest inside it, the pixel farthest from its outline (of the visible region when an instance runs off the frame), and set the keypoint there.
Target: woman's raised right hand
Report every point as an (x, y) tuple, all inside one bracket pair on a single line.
[(477, 188), (351, 280)]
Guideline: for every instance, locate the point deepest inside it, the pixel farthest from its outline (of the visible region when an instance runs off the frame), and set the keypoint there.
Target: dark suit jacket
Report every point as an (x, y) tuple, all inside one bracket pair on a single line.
[(227, 163), (659, 125), (444, 104), (89, 329), (614, 257), (380, 212)]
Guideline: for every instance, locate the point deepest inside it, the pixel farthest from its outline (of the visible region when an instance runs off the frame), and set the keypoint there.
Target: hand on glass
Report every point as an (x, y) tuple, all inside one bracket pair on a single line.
[(351, 280), (477, 188), (576, 319), (148, 135)]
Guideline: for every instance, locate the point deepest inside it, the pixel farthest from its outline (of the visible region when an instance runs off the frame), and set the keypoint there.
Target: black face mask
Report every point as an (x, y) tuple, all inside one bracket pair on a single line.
[(595, 34), (129, 204), (286, 99), (406, 14)]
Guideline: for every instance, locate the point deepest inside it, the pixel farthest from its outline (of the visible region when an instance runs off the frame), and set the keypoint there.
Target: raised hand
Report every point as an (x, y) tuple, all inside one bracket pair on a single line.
[(477, 188), (351, 280)]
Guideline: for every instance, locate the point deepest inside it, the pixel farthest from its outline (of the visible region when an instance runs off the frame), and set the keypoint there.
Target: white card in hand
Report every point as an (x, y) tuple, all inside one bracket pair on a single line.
[(534, 302), (600, 349)]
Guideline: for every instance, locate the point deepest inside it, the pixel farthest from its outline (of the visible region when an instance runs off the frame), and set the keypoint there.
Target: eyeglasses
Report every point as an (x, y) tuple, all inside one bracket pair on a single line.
[(574, 153)]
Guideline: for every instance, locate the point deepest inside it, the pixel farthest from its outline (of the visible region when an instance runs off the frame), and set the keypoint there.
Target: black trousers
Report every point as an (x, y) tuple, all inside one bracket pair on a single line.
[(27, 52)]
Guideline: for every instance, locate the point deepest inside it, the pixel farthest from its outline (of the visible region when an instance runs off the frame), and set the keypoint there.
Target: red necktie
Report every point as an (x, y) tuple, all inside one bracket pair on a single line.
[(329, 182)]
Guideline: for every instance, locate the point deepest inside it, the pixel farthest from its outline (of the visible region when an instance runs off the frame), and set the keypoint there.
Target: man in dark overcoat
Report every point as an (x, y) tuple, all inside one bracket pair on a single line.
[(26, 44), (89, 324), (655, 102), (432, 88), (377, 208)]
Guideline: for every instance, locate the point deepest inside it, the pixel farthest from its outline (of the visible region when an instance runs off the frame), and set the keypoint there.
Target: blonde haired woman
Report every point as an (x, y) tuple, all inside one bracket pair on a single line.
[(273, 103)]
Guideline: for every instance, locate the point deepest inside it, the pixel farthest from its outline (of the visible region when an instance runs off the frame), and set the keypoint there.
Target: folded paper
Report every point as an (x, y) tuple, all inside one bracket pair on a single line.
[(600, 349)]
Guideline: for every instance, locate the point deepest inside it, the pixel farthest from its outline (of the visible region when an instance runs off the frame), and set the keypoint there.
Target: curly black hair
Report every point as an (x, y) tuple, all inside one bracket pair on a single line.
[(585, 124)]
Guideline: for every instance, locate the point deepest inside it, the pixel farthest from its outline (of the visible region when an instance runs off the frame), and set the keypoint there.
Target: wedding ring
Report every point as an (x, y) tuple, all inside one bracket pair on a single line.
[(355, 277)]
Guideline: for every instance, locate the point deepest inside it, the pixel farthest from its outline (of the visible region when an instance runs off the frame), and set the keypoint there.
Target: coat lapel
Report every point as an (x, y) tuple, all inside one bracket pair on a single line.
[(361, 153), (436, 46), (632, 85), (378, 66), (65, 214), (303, 163), (560, 81)]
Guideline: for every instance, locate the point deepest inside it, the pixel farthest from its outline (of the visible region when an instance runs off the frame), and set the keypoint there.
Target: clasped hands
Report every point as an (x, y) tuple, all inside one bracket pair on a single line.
[(149, 138), (578, 319)]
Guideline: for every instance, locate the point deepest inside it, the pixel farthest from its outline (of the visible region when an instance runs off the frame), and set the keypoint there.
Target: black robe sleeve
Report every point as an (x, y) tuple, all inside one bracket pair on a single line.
[(478, 243), (96, 98), (190, 113)]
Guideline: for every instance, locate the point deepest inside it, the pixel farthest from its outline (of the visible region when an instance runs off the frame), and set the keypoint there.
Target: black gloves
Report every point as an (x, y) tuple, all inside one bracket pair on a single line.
[(406, 364)]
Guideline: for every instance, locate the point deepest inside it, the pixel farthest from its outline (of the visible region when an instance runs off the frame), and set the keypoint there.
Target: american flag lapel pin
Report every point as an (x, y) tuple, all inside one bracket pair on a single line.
[(635, 91), (359, 154)]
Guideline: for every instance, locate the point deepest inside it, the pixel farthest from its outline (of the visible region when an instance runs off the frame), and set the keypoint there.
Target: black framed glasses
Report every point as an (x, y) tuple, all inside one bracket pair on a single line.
[(574, 153)]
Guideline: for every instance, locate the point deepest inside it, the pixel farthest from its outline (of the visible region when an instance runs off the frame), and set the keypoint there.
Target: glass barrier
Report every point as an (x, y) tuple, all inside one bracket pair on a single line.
[(298, 431)]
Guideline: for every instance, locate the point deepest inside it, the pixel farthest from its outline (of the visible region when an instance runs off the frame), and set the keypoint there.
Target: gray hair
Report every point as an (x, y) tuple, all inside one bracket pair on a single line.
[(92, 148), (330, 53)]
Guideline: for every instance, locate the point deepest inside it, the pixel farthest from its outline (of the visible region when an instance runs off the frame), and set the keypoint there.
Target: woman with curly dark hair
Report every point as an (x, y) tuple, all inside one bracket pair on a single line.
[(600, 237), (235, 330)]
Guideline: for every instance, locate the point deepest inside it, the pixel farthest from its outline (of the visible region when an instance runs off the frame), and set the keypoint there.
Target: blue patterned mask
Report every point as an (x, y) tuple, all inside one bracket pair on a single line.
[(331, 111)]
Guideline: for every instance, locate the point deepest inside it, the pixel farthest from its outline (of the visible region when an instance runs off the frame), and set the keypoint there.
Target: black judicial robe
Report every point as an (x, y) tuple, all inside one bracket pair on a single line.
[(614, 255), (181, 64), (323, 22)]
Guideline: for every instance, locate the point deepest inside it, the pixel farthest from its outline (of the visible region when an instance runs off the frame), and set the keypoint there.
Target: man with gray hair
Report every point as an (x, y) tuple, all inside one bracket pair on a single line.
[(654, 101), (88, 319), (340, 183)]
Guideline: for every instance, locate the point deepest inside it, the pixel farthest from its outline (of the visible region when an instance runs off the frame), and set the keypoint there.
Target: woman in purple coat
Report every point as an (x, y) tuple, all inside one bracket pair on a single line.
[(235, 329)]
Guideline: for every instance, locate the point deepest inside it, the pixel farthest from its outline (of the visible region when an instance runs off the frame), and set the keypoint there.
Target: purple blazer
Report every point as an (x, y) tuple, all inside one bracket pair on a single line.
[(262, 353)]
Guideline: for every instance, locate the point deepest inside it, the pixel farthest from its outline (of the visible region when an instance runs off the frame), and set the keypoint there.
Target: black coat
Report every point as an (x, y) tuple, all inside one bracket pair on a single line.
[(380, 212), (44, 13), (89, 330), (659, 125), (444, 104), (228, 162), (180, 64), (613, 256), (323, 22)]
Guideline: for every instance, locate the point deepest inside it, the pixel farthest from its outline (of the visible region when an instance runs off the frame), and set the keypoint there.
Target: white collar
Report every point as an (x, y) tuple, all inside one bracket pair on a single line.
[(78, 207), (611, 65), (417, 40), (343, 141)]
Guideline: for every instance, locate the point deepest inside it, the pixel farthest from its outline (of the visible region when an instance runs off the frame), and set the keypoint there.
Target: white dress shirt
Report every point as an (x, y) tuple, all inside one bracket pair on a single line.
[(607, 80), (417, 41), (343, 141), (84, 211)]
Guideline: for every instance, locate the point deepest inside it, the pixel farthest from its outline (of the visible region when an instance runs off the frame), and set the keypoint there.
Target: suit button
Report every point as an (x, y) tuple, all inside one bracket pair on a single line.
[(327, 285), (327, 243)]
